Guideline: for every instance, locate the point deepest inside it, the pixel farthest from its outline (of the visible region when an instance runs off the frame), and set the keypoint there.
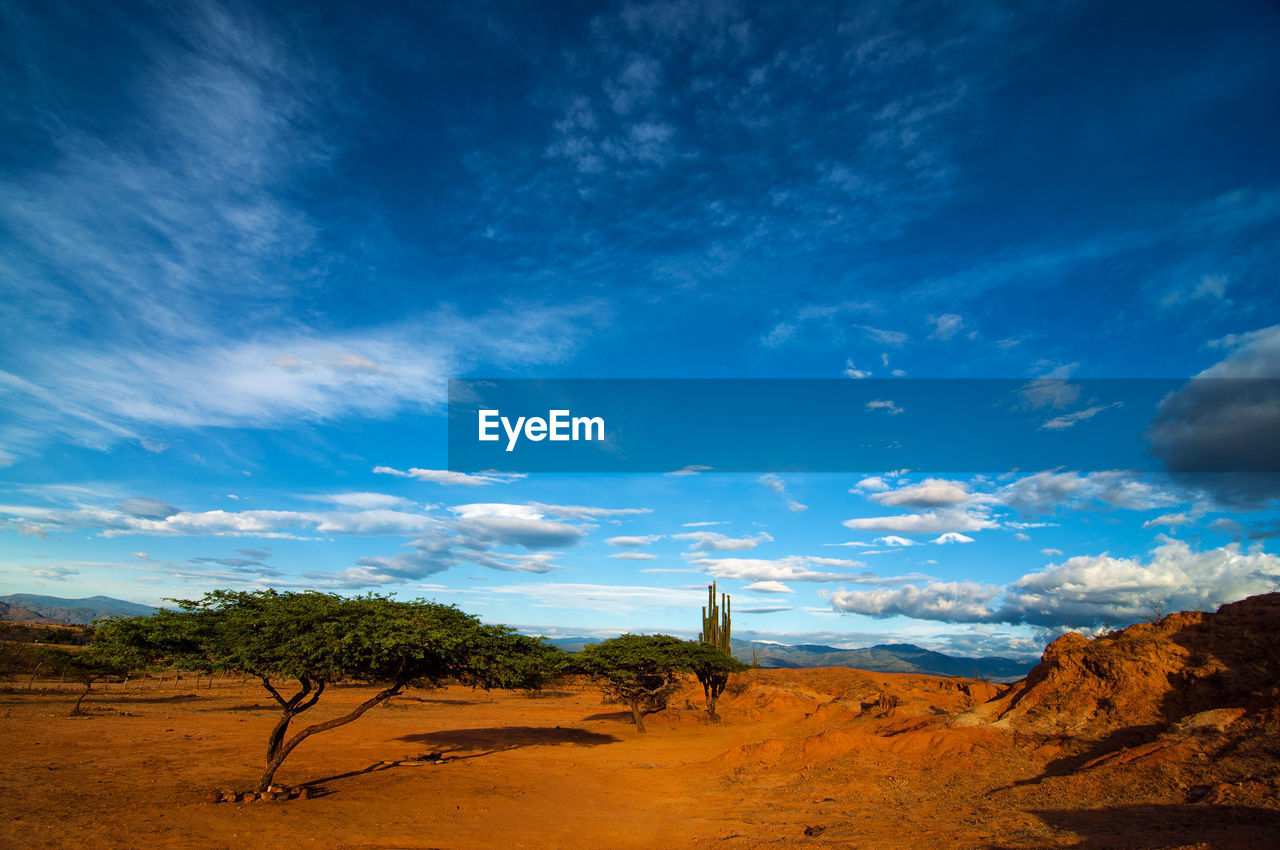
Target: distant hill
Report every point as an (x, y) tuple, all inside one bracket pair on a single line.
[(18, 614), (73, 611), (884, 658)]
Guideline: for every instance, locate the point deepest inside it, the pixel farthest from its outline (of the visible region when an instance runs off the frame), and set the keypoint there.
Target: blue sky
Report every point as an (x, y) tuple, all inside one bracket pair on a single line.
[(243, 248)]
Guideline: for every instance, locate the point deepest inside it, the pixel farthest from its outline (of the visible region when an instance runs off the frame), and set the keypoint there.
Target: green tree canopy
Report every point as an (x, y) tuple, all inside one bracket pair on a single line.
[(638, 670), (712, 667), (319, 638)]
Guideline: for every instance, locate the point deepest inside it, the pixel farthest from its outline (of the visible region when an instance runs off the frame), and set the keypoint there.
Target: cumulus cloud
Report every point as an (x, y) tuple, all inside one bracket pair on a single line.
[(1102, 589), (930, 493), (1044, 492), (714, 541), (522, 525), (1218, 431), (1085, 590), (450, 478), (952, 537), (871, 484), (947, 601), (768, 587), (930, 522), (892, 540)]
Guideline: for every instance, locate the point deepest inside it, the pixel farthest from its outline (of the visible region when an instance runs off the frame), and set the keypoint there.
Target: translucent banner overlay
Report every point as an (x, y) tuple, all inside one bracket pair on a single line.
[(818, 425)]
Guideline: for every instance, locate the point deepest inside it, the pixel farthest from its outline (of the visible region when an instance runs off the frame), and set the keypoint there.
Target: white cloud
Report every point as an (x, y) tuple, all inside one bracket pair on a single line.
[(892, 540), (1068, 420), (1044, 492), (691, 469), (1085, 590), (884, 337), (946, 326), (632, 541), (930, 522), (851, 371), (790, 568), (776, 484), (1104, 589), (1171, 520), (1210, 287), (522, 525), (930, 493), (450, 478), (889, 408), (714, 541), (363, 501), (871, 484), (634, 556), (605, 598), (768, 587), (952, 537), (587, 511), (949, 601), (1051, 553)]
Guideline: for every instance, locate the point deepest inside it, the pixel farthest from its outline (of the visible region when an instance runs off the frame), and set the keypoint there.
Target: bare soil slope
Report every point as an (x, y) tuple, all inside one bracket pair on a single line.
[(1163, 735)]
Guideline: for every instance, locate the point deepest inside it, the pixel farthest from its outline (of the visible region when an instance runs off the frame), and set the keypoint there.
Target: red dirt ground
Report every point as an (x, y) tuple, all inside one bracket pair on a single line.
[(1109, 743)]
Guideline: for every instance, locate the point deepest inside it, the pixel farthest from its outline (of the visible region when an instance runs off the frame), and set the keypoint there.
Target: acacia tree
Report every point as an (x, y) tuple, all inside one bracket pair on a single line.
[(712, 667), (638, 670), (317, 639), (85, 667)]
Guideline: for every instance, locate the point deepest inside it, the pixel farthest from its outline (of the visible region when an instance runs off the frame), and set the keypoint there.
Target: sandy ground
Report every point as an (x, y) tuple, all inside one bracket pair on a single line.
[(810, 757)]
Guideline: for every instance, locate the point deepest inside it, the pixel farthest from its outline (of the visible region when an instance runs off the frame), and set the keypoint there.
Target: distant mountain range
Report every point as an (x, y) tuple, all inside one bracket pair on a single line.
[(21, 606), (884, 658)]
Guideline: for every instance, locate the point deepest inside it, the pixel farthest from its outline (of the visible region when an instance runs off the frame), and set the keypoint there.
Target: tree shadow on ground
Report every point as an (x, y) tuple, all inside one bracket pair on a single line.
[(620, 716), (123, 696), (476, 743), (1146, 827), (502, 738), (433, 700)]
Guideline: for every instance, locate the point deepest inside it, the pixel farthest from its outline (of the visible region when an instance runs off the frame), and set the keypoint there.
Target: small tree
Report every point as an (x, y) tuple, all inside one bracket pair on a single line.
[(638, 670), (713, 668), (316, 639), (712, 659), (86, 668)]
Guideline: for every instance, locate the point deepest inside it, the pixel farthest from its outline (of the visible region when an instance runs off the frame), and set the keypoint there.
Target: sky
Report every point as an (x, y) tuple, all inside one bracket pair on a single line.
[(244, 247)]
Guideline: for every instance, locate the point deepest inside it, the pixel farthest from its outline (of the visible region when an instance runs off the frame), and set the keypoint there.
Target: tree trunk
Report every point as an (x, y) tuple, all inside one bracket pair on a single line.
[(637, 715), (711, 708), (282, 751), (75, 710)]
